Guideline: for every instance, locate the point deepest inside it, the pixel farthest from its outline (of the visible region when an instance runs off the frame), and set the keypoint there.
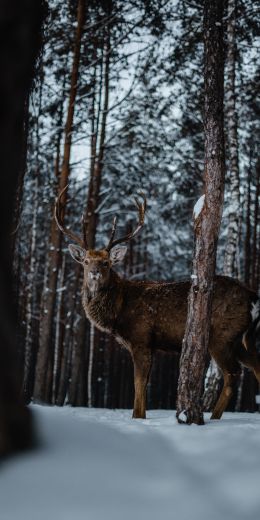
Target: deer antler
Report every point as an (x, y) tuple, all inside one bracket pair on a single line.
[(141, 206), (59, 217)]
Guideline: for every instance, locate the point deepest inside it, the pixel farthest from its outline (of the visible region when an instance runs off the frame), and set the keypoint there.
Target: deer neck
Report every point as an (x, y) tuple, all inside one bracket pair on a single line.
[(103, 306)]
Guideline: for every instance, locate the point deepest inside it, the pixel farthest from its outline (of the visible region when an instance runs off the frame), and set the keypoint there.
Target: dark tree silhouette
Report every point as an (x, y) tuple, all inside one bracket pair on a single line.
[(20, 25)]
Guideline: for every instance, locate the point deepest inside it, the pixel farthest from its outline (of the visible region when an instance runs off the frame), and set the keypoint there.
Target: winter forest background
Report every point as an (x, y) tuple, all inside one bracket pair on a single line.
[(132, 122)]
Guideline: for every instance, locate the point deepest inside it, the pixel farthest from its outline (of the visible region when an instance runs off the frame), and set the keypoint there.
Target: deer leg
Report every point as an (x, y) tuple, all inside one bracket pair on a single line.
[(256, 371), (142, 367), (251, 360), (226, 394), (254, 365)]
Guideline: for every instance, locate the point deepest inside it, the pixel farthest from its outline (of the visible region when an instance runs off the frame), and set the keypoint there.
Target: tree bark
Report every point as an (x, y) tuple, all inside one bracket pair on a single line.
[(255, 229), (99, 122), (20, 25), (206, 225), (59, 332), (231, 258), (30, 299), (97, 160), (66, 351), (90, 364), (49, 293), (247, 271), (212, 386)]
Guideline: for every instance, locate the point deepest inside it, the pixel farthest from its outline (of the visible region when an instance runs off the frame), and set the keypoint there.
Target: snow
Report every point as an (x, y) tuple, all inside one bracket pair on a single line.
[(198, 206), (255, 311), (96, 464)]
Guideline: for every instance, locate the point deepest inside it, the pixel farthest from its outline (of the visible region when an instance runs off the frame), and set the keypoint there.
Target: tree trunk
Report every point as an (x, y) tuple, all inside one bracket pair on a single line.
[(231, 259), (97, 160), (207, 219), (255, 229), (90, 364), (212, 386), (66, 351), (59, 332), (29, 302), (232, 245), (78, 385), (49, 293), (247, 271), (20, 25), (99, 122)]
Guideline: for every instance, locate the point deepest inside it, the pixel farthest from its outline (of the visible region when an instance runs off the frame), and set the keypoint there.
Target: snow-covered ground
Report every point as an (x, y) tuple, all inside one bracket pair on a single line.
[(100, 464)]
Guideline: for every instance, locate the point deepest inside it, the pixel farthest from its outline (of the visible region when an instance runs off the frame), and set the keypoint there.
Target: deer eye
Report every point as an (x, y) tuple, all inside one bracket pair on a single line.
[(105, 263), (86, 262)]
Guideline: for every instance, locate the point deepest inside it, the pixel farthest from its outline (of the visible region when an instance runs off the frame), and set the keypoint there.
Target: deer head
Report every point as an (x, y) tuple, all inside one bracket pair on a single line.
[(97, 263)]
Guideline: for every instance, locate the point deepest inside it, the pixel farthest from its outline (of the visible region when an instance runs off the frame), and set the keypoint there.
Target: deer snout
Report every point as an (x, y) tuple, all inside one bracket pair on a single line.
[(94, 275)]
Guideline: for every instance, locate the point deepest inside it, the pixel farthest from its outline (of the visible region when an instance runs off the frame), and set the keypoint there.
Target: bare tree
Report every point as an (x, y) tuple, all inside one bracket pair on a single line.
[(207, 219)]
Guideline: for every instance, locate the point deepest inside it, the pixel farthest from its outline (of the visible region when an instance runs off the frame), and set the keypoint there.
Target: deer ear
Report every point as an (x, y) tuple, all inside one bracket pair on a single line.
[(117, 254), (77, 253)]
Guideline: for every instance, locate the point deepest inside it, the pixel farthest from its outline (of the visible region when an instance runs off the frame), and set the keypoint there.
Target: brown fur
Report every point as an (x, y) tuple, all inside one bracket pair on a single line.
[(147, 316)]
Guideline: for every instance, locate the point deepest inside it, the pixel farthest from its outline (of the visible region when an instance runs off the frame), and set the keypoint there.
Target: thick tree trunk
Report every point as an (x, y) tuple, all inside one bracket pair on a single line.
[(49, 293), (231, 258), (207, 219), (20, 25)]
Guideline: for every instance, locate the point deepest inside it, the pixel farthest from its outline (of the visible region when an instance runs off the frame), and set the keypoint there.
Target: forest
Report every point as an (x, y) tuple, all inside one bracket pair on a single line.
[(115, 110), (130, 265)]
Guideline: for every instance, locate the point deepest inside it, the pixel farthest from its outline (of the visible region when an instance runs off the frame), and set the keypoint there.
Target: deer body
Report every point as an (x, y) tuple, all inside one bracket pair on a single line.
[(155, 313), (145, 317), (149, 316)]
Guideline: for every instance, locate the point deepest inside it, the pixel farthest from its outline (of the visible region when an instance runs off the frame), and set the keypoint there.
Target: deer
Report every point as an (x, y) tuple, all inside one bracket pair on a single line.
[(146, 316)]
